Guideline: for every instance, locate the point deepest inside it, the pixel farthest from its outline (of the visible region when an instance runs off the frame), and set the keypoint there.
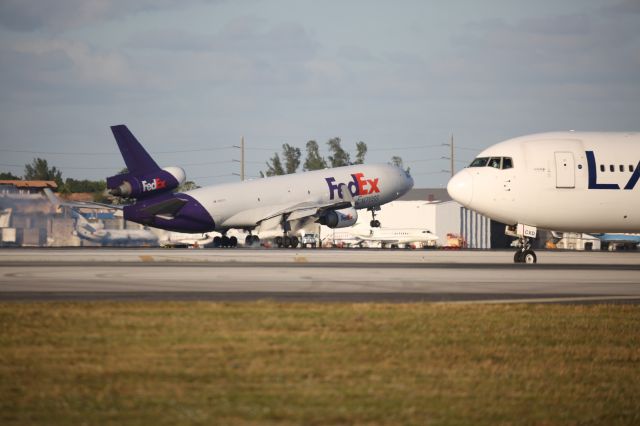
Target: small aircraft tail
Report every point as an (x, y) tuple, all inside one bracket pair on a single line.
[(136, 158), (82, 222)]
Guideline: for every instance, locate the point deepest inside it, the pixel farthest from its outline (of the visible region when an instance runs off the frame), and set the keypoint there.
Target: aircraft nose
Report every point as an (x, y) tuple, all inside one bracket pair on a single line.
[(460, 187)]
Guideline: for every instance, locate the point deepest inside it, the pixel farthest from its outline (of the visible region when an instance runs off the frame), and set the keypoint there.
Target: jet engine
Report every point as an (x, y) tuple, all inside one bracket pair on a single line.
[(339, 218), (147, 184)]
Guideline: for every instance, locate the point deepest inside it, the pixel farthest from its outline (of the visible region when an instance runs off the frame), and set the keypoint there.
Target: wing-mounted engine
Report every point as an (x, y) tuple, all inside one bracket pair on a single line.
[(144, 185), (339, 218)]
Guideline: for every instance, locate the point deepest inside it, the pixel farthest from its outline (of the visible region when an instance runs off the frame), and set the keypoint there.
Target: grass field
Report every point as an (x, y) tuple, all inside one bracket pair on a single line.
[(265, 363)]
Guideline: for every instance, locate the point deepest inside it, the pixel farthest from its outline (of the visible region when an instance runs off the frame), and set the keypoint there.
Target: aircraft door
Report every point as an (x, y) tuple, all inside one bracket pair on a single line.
[(565, 170)]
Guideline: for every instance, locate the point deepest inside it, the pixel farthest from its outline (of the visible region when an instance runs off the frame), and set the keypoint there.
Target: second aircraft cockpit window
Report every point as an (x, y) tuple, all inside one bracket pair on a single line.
[(495, 162)]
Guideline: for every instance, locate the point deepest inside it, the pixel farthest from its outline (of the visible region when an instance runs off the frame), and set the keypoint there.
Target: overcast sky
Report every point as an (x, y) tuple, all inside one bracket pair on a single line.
[(190, 75)]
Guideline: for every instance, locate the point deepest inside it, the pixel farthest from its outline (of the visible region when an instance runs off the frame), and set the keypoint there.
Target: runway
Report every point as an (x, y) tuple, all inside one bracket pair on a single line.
[(317, 275)]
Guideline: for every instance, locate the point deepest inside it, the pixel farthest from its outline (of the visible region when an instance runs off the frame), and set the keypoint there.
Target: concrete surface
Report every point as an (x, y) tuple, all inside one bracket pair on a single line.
[(317, 275)]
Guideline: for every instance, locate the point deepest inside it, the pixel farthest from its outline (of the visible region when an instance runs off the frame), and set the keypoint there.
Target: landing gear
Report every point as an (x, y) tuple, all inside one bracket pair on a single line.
[(525, 256), (286, 241), (225, 242), (525, 235), (374, 222), (252, 241)]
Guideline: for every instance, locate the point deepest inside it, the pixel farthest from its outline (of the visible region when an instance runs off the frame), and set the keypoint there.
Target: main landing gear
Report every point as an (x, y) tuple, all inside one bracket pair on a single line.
[(225, 242), (286, 241), (252, 241), (374, 222), (525, 235)]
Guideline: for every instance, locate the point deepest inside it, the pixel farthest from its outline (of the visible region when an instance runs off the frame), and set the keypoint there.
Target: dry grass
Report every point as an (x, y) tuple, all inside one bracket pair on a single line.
[(262, 363)]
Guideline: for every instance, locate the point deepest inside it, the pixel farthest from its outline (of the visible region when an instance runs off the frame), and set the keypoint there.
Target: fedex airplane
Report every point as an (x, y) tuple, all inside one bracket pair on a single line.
[(330, 196), (564, 181)]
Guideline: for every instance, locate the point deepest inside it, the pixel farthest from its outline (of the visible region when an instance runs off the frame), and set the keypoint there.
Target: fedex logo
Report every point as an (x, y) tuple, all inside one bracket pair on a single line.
[(593, 175), (359, 185), (157, 183)]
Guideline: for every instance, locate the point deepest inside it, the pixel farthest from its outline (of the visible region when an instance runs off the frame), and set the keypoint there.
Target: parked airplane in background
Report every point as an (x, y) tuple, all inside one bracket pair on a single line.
[(384, 236), (330, 196), (180, 239), (564, 181), (613, 242), (96, 233)]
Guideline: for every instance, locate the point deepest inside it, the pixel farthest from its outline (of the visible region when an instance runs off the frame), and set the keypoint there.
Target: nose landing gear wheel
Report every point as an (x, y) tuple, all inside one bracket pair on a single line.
[(374, 222), (527, 256)]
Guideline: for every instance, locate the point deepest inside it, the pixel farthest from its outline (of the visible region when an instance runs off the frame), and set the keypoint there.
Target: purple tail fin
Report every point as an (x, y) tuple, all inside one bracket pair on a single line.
[(135, 157)]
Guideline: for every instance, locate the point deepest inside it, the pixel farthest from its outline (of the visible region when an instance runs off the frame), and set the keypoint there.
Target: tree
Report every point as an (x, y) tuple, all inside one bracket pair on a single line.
[(340, 157), (314, 160), (291, 157), (73, 185), (187, 185), (397, 161), (39, 170), (8, 176), (274, 166), (361, 151)]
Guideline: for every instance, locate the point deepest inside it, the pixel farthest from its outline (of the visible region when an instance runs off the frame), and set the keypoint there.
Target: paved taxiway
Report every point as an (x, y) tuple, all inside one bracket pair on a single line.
[(316, 275)]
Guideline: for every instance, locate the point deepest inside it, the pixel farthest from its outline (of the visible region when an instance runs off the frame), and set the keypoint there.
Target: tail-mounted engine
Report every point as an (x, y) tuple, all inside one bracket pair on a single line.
[(339, 218), (141, 186)]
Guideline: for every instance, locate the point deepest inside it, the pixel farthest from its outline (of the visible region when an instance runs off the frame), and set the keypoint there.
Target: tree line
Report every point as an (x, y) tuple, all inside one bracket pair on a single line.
[(291, 158), (39, 170)]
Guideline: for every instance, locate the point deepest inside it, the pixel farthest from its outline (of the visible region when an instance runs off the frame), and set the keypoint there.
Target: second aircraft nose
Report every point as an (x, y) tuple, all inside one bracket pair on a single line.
[(460, 187)]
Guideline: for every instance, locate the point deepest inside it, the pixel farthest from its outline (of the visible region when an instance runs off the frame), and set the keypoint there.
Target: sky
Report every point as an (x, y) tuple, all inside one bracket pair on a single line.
[(192, 77)]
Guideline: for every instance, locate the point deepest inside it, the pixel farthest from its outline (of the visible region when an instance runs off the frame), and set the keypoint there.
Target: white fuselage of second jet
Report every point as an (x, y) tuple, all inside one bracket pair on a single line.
[(563, 181)]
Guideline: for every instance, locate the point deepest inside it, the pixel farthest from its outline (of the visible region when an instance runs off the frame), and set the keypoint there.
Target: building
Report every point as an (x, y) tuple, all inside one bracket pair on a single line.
[(24, 187), (444, 217), (28, 219)]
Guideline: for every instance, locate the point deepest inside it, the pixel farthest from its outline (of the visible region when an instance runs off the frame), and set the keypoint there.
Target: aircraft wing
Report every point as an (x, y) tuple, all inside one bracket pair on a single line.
[(268, 218), (307, 209), (166, 209), (78, 204)]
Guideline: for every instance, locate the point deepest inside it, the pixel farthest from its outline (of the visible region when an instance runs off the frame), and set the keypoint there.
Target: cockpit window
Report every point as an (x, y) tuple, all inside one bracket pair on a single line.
[(495, 162), (479, 162)]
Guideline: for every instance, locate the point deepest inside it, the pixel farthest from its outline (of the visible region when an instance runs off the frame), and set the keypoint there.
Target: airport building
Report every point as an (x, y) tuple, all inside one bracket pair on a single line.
[(28, 219)]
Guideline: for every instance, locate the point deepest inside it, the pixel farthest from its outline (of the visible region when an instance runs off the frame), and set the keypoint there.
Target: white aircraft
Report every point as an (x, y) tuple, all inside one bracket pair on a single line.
[(95, 232), (564, 181), (613, 242), (180, 239), (330, 196), (385, 236)]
